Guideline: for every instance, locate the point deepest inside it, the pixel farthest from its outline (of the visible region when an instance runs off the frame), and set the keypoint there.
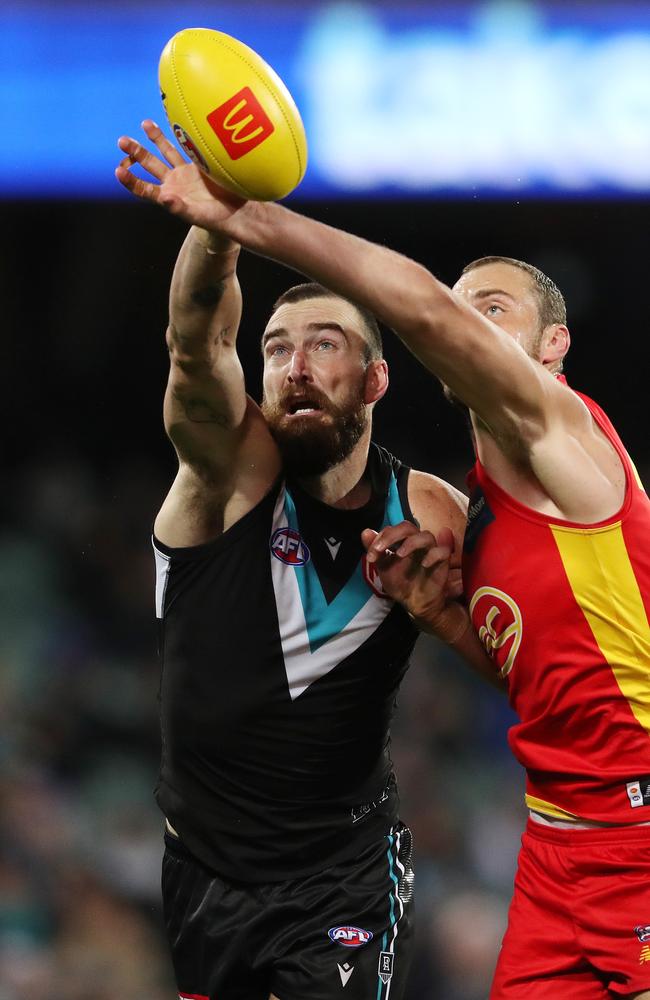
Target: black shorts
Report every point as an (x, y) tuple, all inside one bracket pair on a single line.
[(345, 933)]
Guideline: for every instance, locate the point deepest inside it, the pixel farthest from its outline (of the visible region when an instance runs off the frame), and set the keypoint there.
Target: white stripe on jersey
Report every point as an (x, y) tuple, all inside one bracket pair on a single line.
[(303, 666)]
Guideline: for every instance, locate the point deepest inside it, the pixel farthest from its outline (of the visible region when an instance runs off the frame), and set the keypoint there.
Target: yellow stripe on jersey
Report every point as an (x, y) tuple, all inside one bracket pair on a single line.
[(547, 808), (636, 474), (602, 579)]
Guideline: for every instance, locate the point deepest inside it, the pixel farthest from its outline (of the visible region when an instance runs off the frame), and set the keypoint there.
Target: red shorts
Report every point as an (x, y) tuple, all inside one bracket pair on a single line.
[(579, 921)]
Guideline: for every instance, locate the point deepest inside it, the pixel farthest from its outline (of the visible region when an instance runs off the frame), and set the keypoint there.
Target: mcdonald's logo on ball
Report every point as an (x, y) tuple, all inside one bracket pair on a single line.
[(232, 114), (241, 123)]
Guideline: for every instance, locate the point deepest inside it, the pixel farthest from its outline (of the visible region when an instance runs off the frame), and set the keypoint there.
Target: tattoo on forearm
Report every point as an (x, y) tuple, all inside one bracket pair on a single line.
[(208, 296), (200, 412), (187, 344)]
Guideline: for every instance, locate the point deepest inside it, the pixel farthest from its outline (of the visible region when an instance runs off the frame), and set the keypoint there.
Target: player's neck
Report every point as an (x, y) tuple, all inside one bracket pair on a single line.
[(344, 486)]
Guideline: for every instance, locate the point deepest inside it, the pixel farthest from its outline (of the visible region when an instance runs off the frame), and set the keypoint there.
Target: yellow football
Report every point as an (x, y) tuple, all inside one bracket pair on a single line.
[(232, 114)]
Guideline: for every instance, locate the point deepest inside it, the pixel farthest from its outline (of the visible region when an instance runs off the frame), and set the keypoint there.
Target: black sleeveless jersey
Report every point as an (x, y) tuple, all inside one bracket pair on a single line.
[(280, 665)]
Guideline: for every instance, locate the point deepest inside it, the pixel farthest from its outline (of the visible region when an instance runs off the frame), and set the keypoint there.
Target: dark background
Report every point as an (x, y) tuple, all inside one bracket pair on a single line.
[(84, 290), (83, 367)]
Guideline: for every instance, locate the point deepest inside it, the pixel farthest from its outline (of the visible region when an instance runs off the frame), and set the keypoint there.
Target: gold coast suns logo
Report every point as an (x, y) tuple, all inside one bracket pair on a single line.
[(497, 619)]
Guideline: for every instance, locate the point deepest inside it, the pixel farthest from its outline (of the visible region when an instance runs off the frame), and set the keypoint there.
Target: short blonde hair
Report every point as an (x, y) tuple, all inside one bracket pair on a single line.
[(552, 307)]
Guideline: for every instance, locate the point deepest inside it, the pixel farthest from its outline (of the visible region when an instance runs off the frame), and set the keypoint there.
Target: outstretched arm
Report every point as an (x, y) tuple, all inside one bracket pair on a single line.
[(207, 413), (479, 362), (205, 395), (534, 419)]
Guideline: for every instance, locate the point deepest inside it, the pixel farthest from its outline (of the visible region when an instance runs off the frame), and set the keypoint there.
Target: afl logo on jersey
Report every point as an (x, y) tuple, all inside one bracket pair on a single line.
[(288, 547), (349, 937), (497, 619)]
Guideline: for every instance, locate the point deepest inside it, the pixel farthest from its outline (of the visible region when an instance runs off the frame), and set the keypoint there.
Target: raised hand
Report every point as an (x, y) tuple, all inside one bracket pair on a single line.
[(180, 187)]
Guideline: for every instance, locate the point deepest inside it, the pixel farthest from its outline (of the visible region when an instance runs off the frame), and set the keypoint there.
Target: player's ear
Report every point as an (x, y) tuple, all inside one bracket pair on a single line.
[(376, 381), (556, 341)]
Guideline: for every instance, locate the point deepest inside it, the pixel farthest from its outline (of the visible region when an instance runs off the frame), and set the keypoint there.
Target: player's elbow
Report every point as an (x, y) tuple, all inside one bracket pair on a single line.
[(187, 369), (189, 356)]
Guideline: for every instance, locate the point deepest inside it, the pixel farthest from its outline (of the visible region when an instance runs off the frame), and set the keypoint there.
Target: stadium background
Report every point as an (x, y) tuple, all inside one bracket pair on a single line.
[(83, 287)]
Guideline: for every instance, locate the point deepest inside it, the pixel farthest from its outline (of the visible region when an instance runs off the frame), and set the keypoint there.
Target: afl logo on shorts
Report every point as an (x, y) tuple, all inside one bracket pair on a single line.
[(497, 619), (349, 937), (289, 548)]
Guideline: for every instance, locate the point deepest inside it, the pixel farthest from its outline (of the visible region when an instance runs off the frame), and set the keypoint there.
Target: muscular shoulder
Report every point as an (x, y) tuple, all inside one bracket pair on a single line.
[(437, 504)]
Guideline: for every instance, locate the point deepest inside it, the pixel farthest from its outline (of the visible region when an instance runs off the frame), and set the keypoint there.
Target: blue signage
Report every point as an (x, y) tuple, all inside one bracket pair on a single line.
[(496, 99)]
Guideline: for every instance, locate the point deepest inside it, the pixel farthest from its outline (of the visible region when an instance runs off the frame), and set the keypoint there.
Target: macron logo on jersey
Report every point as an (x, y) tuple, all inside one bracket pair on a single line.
[(333, 546), (345, 971)]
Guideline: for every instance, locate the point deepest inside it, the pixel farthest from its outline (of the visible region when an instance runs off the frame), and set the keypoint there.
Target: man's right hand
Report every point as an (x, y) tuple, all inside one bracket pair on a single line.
[(182, 188)]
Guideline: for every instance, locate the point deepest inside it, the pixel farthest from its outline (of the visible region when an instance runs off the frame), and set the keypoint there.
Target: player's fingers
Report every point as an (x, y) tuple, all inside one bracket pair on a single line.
[(388, 538), (445, 536), (418, 541), (139, 154), (368, 536), (162, 143), (454, 583), (435, 555), (138, 187), (422, 550)]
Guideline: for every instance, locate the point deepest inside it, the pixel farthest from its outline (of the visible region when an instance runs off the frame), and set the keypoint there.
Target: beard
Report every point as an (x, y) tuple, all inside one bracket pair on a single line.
[(310, 445)]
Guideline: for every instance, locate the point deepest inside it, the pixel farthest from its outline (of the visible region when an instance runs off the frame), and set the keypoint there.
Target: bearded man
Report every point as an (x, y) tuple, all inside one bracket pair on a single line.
[(556, 569), (287, 871)]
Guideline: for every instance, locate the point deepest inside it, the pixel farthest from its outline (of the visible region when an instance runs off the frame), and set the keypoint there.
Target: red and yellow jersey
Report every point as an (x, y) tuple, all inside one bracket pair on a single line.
[(563, 610)]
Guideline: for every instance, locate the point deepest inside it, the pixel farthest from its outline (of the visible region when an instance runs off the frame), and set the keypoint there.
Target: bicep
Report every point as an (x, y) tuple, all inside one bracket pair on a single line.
[(483, 366), (437, 504)]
